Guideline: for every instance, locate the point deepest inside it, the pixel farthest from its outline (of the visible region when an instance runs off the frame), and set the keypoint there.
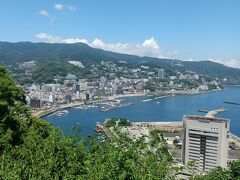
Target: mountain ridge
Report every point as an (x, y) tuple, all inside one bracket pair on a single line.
[(17, 52)]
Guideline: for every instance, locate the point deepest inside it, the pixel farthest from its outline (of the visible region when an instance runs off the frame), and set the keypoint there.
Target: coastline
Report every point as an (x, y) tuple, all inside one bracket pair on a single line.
[(167, 124), (44, 112), (95, 115)]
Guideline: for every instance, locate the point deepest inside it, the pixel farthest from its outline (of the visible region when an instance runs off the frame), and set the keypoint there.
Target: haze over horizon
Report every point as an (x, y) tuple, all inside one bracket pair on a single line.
[(183, 30)]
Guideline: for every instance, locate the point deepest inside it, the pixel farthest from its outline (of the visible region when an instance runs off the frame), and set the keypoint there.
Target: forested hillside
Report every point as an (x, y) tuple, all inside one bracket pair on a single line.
[(12, 53)]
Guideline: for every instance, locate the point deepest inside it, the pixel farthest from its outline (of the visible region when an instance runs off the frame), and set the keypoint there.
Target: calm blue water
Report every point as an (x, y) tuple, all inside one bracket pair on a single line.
[(169, 109)]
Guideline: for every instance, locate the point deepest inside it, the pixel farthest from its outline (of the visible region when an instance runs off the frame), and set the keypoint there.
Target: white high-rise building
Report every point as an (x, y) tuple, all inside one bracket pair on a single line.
[(51, 98), (205, 141), (161, 73)]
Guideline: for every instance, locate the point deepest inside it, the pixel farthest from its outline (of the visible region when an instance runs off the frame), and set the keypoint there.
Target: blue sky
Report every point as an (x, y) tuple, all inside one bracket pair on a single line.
[(180, 29)]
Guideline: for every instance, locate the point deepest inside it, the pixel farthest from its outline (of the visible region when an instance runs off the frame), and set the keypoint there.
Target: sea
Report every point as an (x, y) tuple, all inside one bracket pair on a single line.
[(167, 109)]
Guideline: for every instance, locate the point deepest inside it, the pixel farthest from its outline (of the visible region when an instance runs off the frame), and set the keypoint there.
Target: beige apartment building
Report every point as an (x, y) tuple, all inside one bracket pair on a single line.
[(205, 141)]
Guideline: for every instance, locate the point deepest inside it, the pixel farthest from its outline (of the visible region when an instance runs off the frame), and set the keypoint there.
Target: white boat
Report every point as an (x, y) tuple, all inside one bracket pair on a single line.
[(91, 106), (158, 102), (80, 107), (61, 113), (160, 97), (65, 111), (146, 100)]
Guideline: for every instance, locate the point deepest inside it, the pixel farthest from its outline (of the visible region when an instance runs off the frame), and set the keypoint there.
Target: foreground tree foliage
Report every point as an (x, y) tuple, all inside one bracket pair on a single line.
[(233, 173), (31, 148)]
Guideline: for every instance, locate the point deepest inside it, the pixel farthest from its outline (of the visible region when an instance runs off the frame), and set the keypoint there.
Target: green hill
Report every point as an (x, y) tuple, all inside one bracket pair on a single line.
[(12, 53)]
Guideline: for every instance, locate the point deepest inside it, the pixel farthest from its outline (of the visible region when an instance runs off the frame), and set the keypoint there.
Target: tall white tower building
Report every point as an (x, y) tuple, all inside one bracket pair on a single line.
[(205, 141), (161, 73)]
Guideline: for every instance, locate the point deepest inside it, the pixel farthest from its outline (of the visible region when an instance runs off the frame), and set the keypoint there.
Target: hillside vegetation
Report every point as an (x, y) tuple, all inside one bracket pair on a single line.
[(12, 53)]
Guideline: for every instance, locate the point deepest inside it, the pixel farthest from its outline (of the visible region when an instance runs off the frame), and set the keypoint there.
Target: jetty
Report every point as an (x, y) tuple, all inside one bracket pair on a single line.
[(212, 113), (231, 102), (105, 109), (215, 112)]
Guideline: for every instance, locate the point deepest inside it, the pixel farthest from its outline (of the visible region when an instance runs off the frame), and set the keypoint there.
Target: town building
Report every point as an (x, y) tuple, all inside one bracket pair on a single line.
[(161, 73), (205, 142), (35, 103)]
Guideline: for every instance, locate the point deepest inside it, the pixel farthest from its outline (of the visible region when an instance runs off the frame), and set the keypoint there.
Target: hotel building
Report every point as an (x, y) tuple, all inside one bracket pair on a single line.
[(205, 141)]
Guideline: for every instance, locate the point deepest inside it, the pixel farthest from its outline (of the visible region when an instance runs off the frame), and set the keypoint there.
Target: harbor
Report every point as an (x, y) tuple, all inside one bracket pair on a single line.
[(77, 105), (106, 104), (171, 108)]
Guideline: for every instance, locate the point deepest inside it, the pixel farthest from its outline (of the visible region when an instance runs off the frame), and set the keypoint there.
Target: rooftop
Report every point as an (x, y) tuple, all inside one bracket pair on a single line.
[(206, 118)]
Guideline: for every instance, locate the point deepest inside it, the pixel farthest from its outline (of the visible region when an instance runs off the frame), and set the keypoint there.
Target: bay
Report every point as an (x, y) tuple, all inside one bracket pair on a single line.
[(166, 109)]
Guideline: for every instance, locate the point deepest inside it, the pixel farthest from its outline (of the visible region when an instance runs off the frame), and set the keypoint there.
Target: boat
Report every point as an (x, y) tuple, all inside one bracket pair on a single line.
[(91, 106), (103, 109), (159, 97), (146, 100), (61, 113), (158, 102), (65, 111)]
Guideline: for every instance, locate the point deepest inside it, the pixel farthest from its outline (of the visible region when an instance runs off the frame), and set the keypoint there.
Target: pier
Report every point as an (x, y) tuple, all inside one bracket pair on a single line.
[(215, 112), (231, 102), (105, 109), (212, 113)]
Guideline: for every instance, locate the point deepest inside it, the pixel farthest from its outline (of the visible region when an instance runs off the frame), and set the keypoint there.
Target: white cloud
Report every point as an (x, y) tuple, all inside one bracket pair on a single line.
[(148, 47), (60, 7), (48, 38), (98, 43), (44, 13), (151, 43), (55, 39), (74, 40), (229, 62), (189, 59)]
